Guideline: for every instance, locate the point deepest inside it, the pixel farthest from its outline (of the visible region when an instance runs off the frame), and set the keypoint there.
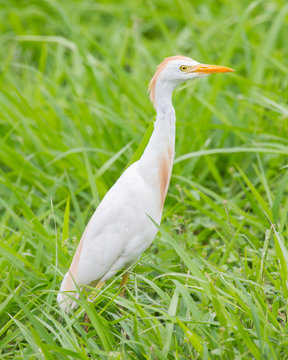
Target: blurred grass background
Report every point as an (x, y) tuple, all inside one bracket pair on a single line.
[(73, 113)]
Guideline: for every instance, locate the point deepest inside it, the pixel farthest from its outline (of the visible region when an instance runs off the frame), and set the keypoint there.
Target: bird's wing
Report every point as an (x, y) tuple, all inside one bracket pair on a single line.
[(120, 229)]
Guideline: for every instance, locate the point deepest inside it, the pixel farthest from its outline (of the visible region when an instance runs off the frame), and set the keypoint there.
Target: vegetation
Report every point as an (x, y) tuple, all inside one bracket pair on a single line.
[(74, 113)]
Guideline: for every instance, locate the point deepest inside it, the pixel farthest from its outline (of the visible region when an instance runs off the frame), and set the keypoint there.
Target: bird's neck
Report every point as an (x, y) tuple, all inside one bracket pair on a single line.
[(157, 160), (162, 141), (164, 126), (163, 95)]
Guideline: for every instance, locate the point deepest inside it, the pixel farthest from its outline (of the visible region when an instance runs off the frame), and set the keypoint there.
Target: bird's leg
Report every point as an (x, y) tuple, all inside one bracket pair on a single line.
[(86, 321), (123, 284), (100, 285), (122, 293), (86, 317)]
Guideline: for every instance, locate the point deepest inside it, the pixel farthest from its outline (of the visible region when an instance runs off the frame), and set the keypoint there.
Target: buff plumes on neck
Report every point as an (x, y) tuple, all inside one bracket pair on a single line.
[(160, 68)]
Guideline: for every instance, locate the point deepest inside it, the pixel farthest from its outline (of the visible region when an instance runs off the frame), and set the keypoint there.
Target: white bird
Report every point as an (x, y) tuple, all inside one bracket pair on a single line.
[(121, 229)]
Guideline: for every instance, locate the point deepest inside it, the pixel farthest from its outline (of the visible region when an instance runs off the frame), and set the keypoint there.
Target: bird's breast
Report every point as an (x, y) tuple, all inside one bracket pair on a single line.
[(165, 164)]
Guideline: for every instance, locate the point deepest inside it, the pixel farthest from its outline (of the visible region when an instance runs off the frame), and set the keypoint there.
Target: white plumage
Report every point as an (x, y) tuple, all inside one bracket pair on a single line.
[(120, 228)]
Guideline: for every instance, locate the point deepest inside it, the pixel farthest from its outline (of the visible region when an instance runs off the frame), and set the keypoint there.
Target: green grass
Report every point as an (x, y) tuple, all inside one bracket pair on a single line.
[(73, 113)]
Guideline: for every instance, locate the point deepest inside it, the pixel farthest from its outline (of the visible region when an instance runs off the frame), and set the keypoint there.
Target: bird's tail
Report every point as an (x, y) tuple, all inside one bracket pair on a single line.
[(67, 292)]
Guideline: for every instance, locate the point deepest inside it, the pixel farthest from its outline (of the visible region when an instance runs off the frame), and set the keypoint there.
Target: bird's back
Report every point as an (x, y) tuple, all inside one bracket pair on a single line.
[(119, 230)]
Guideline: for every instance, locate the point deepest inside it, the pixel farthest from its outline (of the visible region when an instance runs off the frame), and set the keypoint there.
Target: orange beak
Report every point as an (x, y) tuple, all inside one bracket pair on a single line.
[(210, 69)]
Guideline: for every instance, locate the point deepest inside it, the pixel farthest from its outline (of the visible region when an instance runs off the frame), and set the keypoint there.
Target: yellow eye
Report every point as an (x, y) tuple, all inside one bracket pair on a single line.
[(183, 67)]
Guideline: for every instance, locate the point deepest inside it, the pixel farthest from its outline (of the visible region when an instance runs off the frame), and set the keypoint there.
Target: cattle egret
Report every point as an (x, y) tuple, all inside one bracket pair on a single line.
[(121, 227)]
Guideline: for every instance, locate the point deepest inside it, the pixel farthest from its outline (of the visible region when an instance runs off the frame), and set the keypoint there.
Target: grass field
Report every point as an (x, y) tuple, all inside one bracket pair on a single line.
[(74, 113)]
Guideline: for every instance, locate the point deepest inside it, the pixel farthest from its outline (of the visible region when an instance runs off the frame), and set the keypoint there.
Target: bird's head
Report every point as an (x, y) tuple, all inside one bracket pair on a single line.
[(176, 69)]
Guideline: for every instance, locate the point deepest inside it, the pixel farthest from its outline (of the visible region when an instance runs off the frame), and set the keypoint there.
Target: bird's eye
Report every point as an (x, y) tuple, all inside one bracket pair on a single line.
[(183, 67)]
